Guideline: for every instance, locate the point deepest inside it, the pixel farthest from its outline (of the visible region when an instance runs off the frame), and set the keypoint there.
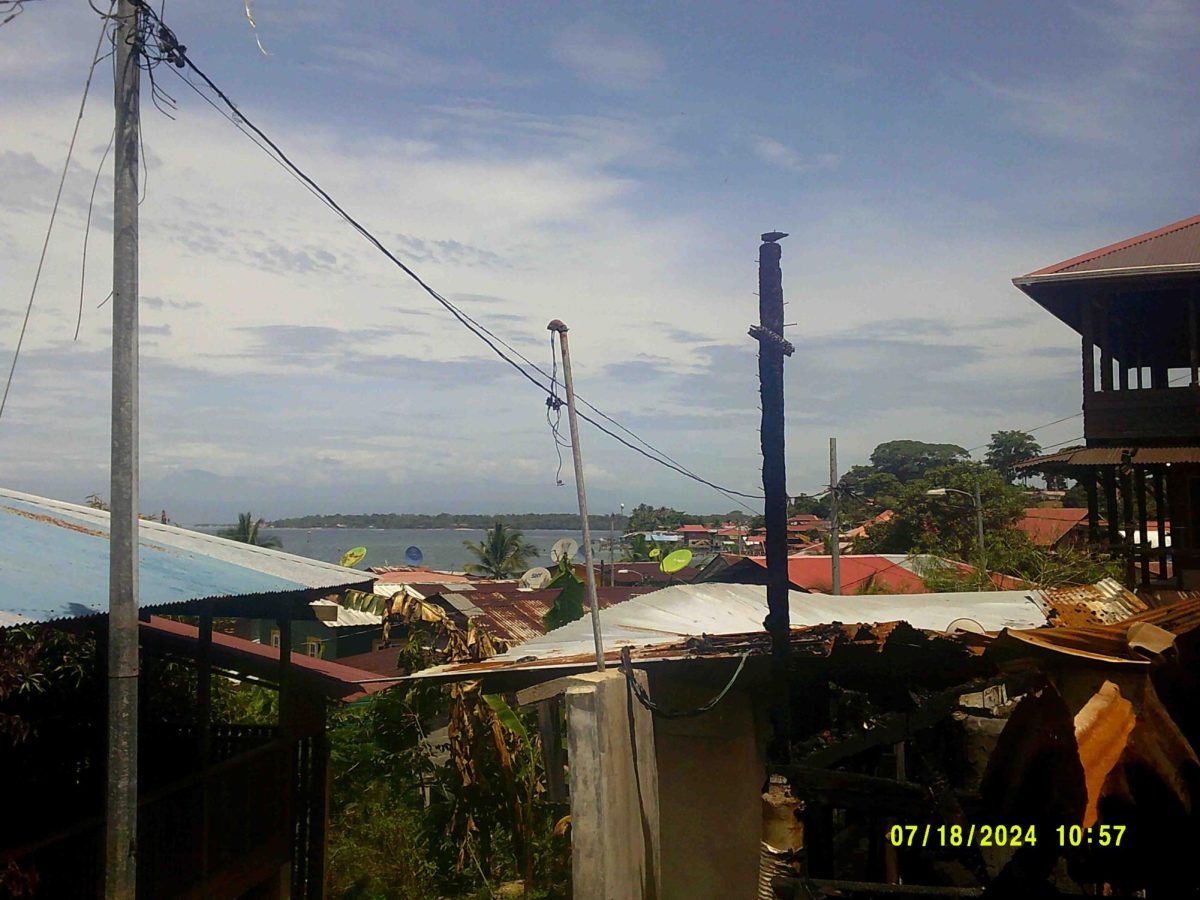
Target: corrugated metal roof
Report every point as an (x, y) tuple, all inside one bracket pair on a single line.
[(1174, 247), (1046, 527), (54, 564), (1115, 456), (677, 615), (1103, 603)]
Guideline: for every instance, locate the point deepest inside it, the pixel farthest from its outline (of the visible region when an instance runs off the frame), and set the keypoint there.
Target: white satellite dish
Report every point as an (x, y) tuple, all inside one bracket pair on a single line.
[(964, 624), (564, 549), (536, 578)]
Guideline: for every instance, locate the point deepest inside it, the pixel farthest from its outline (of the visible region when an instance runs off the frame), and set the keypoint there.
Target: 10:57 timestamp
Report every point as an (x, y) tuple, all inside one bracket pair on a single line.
[(1096, 836)]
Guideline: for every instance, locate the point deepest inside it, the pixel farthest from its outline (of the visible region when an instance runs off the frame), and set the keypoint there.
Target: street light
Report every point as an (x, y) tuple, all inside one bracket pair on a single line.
[(978, 504)]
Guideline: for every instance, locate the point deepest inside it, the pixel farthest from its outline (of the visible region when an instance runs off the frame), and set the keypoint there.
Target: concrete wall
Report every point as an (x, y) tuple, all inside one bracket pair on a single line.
[(614, 800), (711, 773)]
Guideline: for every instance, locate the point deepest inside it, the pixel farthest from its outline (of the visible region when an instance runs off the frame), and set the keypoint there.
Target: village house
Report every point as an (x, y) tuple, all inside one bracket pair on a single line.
[(1135, 307)]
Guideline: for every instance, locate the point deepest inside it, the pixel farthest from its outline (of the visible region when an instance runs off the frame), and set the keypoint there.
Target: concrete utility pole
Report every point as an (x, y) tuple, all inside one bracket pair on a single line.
[(772, 348), (577, 458), (835, 549), (121, 800)]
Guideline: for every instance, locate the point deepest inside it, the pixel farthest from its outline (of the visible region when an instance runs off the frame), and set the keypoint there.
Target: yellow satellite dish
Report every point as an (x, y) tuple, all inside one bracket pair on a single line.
[(673, 562), (353, 556), (654, 553)]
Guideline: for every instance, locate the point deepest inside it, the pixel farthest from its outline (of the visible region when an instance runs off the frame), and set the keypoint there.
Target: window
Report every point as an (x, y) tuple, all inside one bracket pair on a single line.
[(315, 647), (275, 638)]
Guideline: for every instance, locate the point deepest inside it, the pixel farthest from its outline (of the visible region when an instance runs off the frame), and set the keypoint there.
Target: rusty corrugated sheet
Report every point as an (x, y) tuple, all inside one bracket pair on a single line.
[(1115, 456), (1104, 603)]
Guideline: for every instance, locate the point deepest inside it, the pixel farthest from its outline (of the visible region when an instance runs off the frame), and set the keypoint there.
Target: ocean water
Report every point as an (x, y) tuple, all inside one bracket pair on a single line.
[(442, 547)]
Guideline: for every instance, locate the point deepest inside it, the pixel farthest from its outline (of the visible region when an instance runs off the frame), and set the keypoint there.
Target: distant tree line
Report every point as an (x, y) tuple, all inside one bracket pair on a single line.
[(521, 521)]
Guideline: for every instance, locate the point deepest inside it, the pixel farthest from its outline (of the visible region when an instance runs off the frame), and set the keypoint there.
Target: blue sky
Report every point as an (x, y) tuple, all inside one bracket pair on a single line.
[(608, 164)]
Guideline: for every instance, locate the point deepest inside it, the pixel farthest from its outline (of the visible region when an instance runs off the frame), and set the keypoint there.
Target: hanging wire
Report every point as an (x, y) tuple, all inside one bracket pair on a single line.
[(87, 85)]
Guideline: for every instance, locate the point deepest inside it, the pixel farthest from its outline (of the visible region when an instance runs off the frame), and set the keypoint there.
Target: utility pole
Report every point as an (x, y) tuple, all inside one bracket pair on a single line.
[(577, 459), (121, 796), (772, 348), (612, 549), (983, 572), (835, 549)]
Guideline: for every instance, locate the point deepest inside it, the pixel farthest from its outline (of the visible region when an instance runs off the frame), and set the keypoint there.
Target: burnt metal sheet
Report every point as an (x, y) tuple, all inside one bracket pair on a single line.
[(1104, 603), (176, 566)]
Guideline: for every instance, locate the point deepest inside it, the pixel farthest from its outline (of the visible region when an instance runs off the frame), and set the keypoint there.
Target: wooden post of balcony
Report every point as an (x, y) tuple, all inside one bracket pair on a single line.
[(1123, 362), (1106, 360), (1093, 498), (1139, 475), (1087, 329), (1160, 509), (1129, 525), (1110, 506), (1193, 341)]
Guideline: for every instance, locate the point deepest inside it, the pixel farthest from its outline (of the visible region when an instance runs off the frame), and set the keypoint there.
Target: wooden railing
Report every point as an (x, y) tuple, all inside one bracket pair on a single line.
[(1156, 414)]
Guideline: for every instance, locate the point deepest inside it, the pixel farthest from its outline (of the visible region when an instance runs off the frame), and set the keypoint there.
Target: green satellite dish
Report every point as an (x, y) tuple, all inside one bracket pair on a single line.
[(654, 553), (353, 556), (673, 562)]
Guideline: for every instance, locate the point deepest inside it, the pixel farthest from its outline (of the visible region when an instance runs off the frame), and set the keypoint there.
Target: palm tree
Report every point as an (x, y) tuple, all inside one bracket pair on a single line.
[(246, 531), (502, 553)]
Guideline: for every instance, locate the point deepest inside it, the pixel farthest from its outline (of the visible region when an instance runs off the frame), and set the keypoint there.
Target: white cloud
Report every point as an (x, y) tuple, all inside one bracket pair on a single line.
[(611, 59), (780, 154)]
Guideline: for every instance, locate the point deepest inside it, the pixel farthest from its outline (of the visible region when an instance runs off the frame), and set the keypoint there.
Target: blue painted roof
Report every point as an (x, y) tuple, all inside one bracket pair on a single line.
[(54, 565)]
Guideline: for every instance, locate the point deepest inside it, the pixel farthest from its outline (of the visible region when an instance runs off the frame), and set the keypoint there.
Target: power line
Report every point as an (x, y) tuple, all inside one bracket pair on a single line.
[(166, 48), (87, 86)]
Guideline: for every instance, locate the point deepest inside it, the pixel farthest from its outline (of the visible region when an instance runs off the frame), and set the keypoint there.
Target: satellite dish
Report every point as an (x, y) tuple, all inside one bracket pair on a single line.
[(414, 555), (673, 562), (968, 625), (536, 578), (353, 556), (564, 549), (654, 553)]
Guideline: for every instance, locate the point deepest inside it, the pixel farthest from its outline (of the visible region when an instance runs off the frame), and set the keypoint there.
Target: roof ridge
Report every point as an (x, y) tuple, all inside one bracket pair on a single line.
[(1110, 249)]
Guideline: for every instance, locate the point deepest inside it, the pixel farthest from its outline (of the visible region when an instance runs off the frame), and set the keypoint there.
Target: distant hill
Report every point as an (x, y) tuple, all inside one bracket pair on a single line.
[(522, 521)]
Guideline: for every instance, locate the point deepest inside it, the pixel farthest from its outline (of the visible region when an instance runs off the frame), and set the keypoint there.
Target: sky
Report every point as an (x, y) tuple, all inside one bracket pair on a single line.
[(608, 164)]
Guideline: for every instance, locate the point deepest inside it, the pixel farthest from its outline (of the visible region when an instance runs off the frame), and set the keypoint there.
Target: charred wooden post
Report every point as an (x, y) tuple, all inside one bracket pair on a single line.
[(1093, 501), (772, 348), (1106, 360), (1139, 475), (1160, 511), (1110, 507)]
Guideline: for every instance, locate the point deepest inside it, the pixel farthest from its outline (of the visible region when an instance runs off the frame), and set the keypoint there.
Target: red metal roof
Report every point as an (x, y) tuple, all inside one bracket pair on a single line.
[(694, 529), (1046, 527), (815, 574), (332, 679), (1177, 244)]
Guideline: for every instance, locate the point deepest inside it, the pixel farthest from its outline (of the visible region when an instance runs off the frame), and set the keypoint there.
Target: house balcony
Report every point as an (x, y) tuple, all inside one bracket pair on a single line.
[(1163, 416)]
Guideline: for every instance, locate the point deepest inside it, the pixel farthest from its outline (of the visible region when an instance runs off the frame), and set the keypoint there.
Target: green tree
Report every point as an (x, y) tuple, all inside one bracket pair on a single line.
[(908, 460), (946, 525), (649, 518), (247, 532), (1008, 449), (637, 549), (802, 504), (503, 553)]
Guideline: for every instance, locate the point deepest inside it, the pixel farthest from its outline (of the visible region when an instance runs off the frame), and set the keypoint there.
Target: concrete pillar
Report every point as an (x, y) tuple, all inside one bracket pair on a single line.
[(614, 790), (711, 771)]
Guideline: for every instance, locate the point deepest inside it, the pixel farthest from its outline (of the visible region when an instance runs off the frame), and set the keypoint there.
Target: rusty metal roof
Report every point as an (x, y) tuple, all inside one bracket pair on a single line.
[(1104, 603), (1175, 247), (1115, 456), (1046, 527)]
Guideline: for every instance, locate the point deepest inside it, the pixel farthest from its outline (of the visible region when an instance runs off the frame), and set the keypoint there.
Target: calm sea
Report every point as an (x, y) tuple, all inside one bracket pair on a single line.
[(442, 548)]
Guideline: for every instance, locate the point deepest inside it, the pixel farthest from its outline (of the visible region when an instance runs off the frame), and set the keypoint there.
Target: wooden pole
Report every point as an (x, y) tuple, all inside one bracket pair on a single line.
[(1160, 512), (1139, 475), (772, 348), (122, 791), (580, 491)]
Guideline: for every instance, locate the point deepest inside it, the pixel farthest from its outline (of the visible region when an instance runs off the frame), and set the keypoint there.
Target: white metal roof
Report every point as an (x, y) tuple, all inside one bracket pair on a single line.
[(689, 610)]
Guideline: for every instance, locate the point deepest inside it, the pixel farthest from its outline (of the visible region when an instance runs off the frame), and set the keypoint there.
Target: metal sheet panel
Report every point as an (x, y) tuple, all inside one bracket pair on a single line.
[(674, 615), (175, 565)]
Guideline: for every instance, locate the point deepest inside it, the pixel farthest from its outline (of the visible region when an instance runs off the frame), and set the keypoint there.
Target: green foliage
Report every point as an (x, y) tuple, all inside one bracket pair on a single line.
[(503, 553), (946, 525), (909, 460), (568, 605), (1076, 496), (637, 548), (247, 532), (41, 668), (1007, 449), (802, 504), (663, 518)]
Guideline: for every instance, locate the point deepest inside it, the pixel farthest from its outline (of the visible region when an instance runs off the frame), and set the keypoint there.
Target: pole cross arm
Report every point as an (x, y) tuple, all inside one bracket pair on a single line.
[(762, 335)]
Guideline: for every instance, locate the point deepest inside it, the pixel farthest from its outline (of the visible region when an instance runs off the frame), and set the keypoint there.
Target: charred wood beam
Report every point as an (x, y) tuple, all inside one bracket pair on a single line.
[(813, 887), (866, 793)]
